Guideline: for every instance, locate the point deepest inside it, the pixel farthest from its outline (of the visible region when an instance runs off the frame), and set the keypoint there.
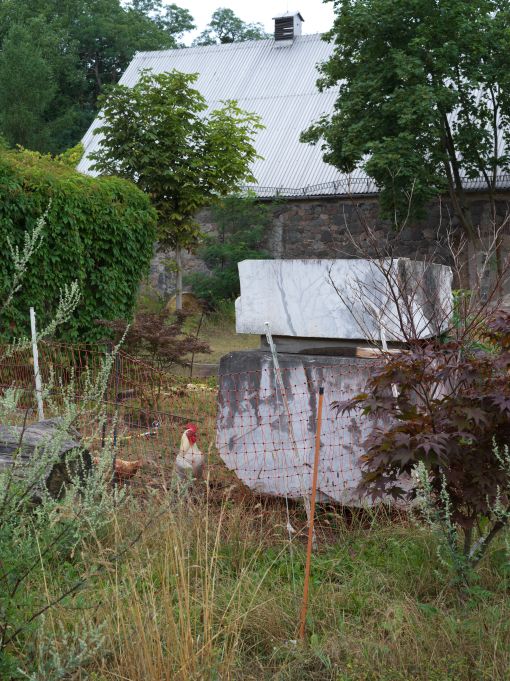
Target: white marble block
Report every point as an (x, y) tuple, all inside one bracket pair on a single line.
[(344, 299), (270, 447)]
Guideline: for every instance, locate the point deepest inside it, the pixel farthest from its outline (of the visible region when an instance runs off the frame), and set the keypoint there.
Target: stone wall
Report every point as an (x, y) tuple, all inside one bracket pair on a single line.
[(326, 228), (162, 272)]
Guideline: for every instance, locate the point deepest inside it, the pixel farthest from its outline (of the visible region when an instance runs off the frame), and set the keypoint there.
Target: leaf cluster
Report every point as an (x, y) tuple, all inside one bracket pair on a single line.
[(452, 406), (241, 225), (157, 338), (423, 97), (98, 232), (56, 56), (227, 27), (158, 135)]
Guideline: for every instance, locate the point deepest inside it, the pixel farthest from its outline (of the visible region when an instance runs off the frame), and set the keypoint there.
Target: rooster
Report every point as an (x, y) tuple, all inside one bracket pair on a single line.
[(190, 460), (123, 470)]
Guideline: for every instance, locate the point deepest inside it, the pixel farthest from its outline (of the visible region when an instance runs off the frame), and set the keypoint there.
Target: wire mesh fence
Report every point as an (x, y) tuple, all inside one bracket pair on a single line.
[(143, 411), (267, 423), (254, 430)]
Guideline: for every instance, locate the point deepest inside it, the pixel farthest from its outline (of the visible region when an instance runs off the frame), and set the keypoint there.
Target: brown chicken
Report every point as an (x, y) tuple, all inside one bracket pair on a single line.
[(124, 470)]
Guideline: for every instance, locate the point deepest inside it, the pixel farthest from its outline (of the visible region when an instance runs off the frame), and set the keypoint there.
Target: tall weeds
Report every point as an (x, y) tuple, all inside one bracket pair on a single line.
[(180, 606), (213, 592)]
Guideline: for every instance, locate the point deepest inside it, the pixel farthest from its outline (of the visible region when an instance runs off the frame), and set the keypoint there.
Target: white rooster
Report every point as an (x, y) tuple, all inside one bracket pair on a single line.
[(189, 462)]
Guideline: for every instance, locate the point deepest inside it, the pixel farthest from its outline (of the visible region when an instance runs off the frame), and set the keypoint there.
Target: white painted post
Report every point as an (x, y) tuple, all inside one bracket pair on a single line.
[(281, 385), (382, 334), (35, 352)]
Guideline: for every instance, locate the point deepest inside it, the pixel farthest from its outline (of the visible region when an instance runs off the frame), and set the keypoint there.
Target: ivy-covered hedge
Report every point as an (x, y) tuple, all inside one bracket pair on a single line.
[(99, 231)]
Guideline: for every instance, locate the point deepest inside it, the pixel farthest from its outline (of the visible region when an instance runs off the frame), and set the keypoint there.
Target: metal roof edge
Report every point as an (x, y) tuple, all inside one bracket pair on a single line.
[(320, 191), (285, 15), (245, 44)]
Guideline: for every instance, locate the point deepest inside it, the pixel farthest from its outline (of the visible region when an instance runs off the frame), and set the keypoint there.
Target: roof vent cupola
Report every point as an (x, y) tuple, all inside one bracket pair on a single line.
[(287, 26)]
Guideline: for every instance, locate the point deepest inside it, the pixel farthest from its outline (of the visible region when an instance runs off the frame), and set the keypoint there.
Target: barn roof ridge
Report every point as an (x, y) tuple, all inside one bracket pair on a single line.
[(220, 47)]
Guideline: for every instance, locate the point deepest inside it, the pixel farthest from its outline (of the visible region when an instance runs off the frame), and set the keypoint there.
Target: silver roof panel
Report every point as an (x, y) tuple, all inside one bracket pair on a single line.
[(278, 82)]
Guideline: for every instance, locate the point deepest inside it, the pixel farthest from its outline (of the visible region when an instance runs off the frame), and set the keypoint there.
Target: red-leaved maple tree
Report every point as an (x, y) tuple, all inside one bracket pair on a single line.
[(450, 411)]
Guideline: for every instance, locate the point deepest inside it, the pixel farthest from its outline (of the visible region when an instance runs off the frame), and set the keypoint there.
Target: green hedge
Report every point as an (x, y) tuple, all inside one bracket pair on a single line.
[(99, 231)]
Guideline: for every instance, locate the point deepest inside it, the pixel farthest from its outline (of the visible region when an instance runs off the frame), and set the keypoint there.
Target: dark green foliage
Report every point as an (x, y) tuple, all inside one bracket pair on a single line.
[(156, 135), (27, 88), (241, 222), (58, 54), (403, 68), (172, 19), (99, 232), (227, 27)]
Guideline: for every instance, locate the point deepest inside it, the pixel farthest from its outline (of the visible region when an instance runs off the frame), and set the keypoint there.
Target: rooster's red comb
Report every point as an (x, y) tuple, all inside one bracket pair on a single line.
[(192, 427)]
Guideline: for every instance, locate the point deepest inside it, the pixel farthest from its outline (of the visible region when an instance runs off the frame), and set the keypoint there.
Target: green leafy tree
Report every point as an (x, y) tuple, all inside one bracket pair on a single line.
[(227, 27), (424, 98), (242, 223), (41, 85), (109, 34), (158, 135), (174, 20), (59, 54), (27, 88)]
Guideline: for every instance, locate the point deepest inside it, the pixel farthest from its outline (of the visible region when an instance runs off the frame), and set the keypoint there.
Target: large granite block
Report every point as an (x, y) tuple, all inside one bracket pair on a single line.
[(344, 299)]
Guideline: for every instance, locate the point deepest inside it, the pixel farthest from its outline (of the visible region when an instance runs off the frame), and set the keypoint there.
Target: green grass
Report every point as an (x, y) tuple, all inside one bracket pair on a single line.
[(218, 329), (213, 591)]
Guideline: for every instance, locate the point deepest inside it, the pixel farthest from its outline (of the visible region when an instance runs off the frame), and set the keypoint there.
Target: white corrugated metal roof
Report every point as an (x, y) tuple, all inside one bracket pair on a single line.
[(276, 80)]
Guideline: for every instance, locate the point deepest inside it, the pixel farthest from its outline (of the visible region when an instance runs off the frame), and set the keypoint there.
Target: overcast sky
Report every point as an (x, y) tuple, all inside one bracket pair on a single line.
[(318, 16)]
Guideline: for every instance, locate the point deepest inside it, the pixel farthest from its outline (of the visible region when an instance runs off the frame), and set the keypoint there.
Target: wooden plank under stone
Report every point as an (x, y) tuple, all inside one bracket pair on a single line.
[(329, 347)]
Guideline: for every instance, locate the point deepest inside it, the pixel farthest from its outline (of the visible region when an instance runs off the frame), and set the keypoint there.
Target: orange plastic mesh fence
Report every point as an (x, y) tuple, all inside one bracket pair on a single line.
[(266, 427), (263, 434)]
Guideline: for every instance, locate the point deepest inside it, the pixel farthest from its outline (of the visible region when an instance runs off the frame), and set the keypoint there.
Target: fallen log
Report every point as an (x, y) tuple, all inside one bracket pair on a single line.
[(26, 452)]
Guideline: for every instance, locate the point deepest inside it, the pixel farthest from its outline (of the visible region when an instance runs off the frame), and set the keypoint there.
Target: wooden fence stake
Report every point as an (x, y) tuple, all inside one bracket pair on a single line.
[(304, 607)]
